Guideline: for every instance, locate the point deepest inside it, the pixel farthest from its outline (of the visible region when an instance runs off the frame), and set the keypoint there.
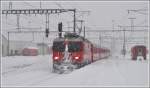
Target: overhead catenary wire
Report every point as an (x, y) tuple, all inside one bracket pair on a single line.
[(140, 11), (60, 6), (27, 18), (35, 7)]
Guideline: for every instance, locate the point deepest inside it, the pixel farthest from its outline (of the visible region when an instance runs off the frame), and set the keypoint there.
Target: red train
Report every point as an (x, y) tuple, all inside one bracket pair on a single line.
[(139, 50), (30, 51), (73, 51)]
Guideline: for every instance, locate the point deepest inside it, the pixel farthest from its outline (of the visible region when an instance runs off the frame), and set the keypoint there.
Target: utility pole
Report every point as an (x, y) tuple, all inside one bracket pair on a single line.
[(8, 45), (33, 36), (99, 40), (74, 27), (10, 5), (40, 4), (124, 42), (68, 25), (81, 25), (43, 46), (113, 44), (113, 25), (47, 25), (18, 24), (84, 31), (99, 43), (113, 40), (132, 23)]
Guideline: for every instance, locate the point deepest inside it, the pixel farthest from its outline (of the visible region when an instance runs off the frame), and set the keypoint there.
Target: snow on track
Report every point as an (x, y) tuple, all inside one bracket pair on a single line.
[(25, 70), (107, 72), (37, 71)]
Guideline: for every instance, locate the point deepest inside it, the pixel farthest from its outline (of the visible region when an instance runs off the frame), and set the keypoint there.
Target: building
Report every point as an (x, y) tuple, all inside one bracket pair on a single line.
[(16, 45), (43, 48), (4, 46)]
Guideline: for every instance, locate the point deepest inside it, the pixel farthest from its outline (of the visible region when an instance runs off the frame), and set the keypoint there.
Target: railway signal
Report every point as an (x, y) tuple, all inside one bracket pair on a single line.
[(47, 32), (60, 29)]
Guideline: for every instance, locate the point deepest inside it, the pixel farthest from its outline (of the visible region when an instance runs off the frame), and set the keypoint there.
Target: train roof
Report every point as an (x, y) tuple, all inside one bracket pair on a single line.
[(140, 46), (71, 37)]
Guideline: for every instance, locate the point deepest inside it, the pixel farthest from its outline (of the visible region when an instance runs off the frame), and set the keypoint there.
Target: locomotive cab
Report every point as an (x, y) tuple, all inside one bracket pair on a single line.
[(74, 49), (67, 52), (138, 51)]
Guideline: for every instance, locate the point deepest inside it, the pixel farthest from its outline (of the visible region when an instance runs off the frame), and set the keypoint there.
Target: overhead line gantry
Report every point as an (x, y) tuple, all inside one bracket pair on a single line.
[(41, 11)]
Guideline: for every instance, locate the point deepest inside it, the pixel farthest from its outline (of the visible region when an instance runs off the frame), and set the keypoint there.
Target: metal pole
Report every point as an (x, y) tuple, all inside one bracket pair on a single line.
[(43, 46), (84, 31), (8, 45), (112, 24), (40, 4), (124, 50), (81, 26), (33, 36), (99, 40), (74, 27), (18, 25), (99, 44), (10, 5), (68, 25), (132, 23), (47, 21)]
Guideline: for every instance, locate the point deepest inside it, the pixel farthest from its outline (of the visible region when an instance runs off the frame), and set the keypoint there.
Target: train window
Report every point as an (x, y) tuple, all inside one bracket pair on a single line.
[(59, 46), (74, 46), (140, 50)]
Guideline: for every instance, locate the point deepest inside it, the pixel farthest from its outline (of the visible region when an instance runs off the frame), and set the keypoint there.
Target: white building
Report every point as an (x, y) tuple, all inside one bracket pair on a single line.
[(4, 45), (43, 48)]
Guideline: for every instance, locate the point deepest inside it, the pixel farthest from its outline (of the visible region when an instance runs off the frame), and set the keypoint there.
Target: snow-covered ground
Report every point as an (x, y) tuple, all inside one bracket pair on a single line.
[(37, 71)]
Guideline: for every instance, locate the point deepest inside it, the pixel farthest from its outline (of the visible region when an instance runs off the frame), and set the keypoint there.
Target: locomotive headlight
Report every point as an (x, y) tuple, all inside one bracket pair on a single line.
[(56, 58), (76, 58)]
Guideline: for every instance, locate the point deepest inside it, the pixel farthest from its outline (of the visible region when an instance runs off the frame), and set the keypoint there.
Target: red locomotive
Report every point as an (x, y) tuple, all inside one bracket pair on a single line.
[(73, 51), (30, 51), (139, 50)]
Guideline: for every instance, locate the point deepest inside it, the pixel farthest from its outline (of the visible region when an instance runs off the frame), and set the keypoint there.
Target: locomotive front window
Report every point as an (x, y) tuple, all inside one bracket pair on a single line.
[(59, 46), (140, 50), (74, 46)]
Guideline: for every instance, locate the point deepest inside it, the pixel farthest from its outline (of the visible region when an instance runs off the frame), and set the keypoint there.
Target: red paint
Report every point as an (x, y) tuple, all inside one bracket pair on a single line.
[(138, 50), (30, 52)]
